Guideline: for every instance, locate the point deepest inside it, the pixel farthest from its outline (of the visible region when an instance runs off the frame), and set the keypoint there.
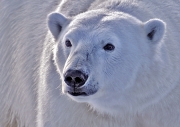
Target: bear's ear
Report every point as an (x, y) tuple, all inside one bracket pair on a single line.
[(56, 22), (154, 29)]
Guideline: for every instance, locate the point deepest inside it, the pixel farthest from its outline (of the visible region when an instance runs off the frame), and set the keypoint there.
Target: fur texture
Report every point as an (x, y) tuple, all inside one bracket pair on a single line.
[(134, 85), (22, 33)]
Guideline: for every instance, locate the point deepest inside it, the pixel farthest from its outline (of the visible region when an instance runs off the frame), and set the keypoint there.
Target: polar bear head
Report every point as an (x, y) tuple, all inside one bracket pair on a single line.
[(104, 57)]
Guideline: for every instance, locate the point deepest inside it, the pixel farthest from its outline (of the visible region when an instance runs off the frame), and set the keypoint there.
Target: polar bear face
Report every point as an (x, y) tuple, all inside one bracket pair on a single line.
[(99, 56)]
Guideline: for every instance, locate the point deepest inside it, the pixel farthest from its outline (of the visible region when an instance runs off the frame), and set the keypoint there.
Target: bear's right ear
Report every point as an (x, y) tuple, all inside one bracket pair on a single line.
[(56, 22)]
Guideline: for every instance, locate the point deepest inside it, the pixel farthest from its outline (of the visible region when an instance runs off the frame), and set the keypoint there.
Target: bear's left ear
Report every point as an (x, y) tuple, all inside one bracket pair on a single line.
[(154, 29), (56, 22)]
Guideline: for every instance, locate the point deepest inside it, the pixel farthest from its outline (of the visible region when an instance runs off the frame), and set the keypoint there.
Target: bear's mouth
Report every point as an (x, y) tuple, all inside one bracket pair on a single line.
[(83, 91), (78, 93)]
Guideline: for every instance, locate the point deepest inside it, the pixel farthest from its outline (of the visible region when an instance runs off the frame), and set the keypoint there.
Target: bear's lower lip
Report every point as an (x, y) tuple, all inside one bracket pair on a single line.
[(78, 93)]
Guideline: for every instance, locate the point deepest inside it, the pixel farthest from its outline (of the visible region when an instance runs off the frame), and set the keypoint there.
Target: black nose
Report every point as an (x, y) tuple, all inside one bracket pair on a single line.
[(75, 78)]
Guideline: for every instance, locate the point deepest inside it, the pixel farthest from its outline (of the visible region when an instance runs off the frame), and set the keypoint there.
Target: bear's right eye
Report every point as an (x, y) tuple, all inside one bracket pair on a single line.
[(108, 47), (68, 43)]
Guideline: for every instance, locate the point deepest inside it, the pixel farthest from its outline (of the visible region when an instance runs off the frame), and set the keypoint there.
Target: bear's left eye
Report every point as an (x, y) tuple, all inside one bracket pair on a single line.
[(68, 43), (108, 47)]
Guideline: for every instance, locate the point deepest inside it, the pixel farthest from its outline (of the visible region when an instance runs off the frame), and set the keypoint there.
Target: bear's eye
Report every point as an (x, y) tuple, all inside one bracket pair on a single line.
[(108, 47), (68, 43)]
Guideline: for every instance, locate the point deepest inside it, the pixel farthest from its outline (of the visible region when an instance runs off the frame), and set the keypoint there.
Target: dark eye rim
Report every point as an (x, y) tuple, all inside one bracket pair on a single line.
[(109, 47), (68, 43)]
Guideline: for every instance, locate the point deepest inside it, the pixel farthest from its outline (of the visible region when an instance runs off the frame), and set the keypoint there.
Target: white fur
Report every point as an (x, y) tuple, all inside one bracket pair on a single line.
[(22, 33), (137, 84)]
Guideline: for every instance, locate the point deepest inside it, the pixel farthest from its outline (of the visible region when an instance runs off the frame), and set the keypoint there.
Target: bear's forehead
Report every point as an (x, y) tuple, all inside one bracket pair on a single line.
[(96, 19), (87, 19)]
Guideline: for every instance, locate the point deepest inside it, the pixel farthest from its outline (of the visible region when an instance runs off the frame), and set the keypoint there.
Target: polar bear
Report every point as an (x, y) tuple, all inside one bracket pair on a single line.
[(112, 63), (115, 63)]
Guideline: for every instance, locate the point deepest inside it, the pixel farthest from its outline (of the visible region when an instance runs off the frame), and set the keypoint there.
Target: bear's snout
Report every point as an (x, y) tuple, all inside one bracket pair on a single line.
[(75, 78)]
